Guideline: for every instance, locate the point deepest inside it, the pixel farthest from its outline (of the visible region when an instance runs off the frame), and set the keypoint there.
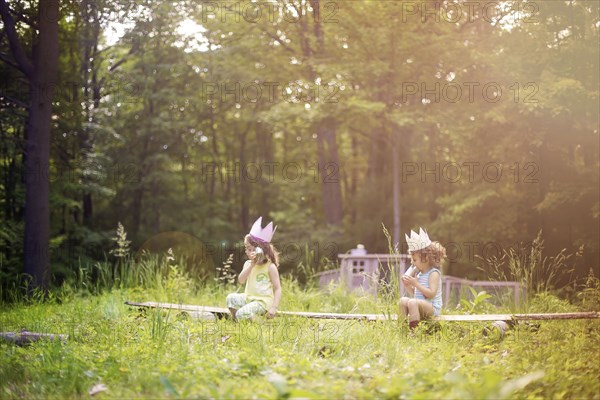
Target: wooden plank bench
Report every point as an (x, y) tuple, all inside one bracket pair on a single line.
[(224, 312)]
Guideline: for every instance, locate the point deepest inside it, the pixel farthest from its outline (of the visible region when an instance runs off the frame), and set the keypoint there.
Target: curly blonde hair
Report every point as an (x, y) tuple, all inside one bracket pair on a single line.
[(435, 253)]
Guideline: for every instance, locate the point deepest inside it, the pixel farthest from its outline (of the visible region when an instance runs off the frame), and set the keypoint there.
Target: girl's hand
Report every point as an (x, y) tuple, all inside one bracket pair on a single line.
[(409, 280), (271, 313)]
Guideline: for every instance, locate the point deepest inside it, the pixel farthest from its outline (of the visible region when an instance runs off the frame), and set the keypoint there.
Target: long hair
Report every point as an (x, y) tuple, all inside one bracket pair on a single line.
[(435, 253), (270, 252)]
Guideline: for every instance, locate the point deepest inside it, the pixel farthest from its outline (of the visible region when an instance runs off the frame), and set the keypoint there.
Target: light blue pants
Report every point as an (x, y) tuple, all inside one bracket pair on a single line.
[(245, 309)]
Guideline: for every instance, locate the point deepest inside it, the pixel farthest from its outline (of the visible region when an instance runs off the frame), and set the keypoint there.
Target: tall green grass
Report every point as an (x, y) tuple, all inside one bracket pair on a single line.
[(158, 354), (538, 275), (163, 354)]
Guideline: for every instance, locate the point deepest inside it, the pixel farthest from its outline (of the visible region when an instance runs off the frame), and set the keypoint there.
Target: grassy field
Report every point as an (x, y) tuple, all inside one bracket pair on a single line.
[(120, 352)]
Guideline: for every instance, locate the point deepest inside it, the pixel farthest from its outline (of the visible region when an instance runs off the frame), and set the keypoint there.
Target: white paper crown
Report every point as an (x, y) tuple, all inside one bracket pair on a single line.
[(263, 235), (417, 241)]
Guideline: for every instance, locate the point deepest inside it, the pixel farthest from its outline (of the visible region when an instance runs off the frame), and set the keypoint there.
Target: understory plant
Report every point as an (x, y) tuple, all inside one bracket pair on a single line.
[(527, 265)]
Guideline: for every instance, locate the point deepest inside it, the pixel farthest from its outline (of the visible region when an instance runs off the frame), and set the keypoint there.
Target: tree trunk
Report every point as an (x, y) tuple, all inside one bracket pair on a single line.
[(153, 212), (136, 206), (39, 123), (353, 182), (377, 157), (329, 173), (139, 190), (396, 191), (91, 91), (244, 185)]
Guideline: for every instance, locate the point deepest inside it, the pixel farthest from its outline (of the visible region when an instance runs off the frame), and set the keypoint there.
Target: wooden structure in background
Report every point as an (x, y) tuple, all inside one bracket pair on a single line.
[(370, 273)]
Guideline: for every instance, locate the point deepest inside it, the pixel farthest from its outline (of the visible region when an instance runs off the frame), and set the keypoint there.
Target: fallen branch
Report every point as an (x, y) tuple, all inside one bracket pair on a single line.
[(26, 337)]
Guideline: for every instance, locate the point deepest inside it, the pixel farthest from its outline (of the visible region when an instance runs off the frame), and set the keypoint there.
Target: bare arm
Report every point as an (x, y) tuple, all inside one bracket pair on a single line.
[(243, 277), (274, 275), (408, 280), (434, 282)]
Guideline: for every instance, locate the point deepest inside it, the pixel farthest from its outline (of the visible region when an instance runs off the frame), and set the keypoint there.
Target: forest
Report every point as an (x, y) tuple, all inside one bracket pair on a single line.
[(141, 140), (186, 120)]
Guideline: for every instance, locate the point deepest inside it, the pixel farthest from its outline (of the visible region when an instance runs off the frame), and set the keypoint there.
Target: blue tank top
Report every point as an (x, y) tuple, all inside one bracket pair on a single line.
[(423, 279)]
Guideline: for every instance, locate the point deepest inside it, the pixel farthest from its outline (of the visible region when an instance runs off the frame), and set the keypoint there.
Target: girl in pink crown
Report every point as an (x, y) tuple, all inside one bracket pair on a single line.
[(263, 288), (424, 281)]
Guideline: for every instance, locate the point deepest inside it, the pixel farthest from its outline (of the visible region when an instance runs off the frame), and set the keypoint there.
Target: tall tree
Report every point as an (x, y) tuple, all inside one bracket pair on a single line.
[(40, 70)]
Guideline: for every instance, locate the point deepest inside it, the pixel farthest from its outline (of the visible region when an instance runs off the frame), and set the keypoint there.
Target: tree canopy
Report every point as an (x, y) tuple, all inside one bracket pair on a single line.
[(479, 122)]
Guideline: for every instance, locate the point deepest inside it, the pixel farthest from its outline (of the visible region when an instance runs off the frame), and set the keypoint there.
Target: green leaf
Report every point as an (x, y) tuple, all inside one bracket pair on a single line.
[(279, 383), (168, 386)]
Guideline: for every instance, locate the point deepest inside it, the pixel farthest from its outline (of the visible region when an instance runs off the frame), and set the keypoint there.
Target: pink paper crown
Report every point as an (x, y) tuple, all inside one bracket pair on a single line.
[(260, 234), (417, 241)]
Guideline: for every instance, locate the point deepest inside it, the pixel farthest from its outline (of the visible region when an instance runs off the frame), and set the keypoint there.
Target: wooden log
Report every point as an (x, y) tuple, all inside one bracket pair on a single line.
[(497, 328), (557, 316), (26, 337), (198, 315), (339, 316), (221, 311), (519, 317), (180, 307)]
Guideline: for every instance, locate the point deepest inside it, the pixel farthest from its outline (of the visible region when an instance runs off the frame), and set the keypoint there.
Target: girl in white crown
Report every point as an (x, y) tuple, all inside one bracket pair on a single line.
[(263, 288), (425, 281)]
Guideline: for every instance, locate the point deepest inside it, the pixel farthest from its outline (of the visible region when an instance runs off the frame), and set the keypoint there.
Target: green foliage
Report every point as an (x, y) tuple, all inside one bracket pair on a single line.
[(390, 289), (135, 140), (225, 274), (154, 353), (178, 284), (476, 304), (307, 270), (527, 265), (589, 296), (545, 302), (122, 249)]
